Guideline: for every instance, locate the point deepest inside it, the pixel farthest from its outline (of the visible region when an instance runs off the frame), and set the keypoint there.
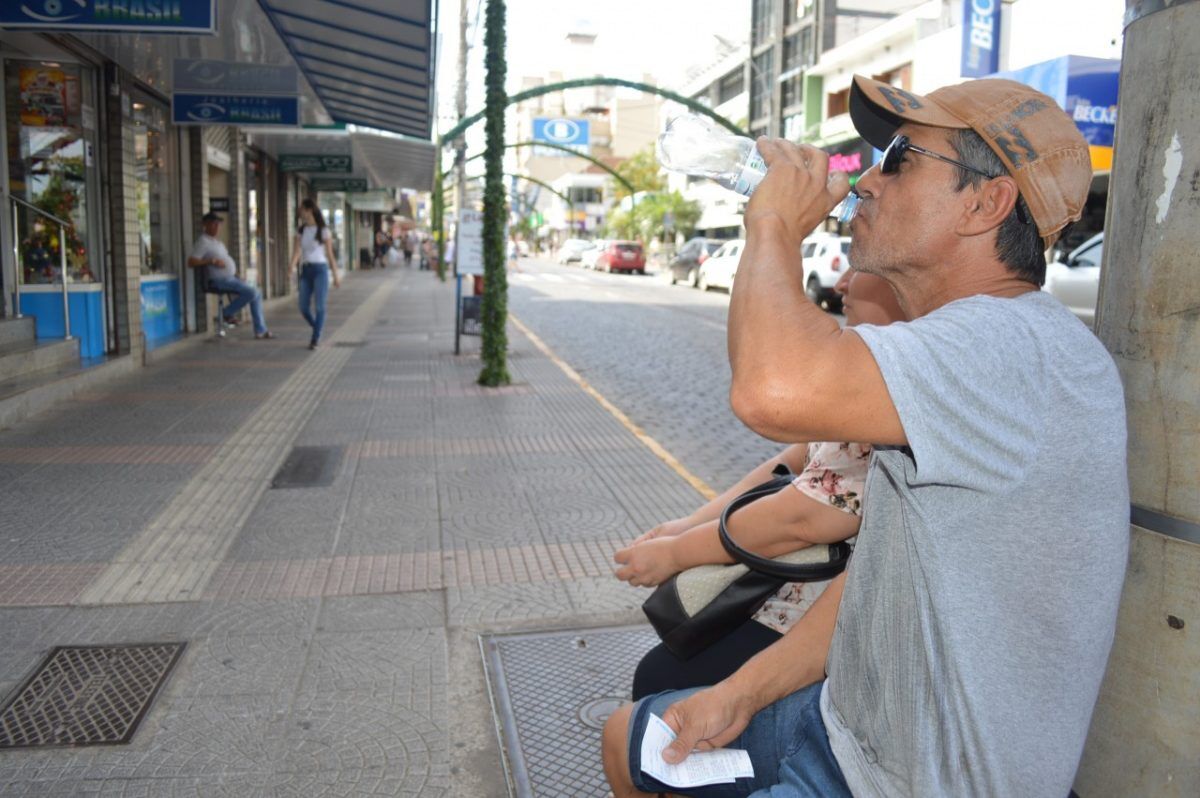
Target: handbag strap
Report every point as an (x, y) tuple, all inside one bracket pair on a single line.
[(839, 553)]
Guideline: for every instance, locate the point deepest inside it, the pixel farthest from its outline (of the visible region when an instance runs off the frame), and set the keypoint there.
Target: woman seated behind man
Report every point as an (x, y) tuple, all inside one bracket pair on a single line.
[(824, 508)]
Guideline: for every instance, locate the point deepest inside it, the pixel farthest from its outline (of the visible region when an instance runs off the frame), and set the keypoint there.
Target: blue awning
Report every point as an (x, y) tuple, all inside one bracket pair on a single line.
[(370, 62)]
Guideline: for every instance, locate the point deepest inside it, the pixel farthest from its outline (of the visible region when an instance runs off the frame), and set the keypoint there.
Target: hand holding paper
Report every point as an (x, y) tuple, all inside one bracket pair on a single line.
[(722, 766)]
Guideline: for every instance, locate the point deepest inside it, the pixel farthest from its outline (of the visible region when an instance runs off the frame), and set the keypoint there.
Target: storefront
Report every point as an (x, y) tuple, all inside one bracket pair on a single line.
[(52, 171), (156, 170)]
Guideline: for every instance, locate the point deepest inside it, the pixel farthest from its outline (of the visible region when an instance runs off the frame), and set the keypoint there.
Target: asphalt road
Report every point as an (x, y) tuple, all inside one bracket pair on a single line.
[(655, 350)]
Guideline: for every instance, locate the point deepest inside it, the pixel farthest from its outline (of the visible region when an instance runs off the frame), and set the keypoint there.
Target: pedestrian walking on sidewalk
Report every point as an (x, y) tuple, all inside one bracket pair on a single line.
[(312, 252), (221, 274)]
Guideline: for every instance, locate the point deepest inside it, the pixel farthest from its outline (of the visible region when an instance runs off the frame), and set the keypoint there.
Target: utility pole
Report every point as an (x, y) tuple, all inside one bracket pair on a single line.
[(1143, 739), (460, 143)]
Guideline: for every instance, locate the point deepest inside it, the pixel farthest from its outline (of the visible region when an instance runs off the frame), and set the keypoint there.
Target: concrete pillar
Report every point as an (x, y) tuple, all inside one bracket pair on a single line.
[(122, 194), (1145, 735), (197, 182)]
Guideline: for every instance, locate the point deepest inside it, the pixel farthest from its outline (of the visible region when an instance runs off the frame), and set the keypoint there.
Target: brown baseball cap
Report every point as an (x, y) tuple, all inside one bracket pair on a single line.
[(1039, 144)]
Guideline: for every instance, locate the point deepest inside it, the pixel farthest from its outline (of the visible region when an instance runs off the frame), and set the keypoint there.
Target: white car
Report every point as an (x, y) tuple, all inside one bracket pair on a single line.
[(826, 259), (587, 258), (571, 249), (719, 268), (1075, 278)]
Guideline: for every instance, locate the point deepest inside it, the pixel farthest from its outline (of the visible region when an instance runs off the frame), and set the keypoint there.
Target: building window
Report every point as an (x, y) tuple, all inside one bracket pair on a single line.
[(764, 21), (762, 78), (51, 123), (731, 85), (585, 195), (793, 91), (153, 165), (795, 10), (837, 104), (793, 127)]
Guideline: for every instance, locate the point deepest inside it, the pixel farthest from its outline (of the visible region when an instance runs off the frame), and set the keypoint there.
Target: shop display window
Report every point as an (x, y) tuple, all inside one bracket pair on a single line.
[(50, 112), (154, 165)]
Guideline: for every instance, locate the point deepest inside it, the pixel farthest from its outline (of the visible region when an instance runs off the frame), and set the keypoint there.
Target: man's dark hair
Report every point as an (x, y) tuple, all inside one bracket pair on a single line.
[(1018, 245)]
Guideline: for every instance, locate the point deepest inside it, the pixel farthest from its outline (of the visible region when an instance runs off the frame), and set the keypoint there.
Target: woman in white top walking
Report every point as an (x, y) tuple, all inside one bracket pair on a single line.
[(313, 254)]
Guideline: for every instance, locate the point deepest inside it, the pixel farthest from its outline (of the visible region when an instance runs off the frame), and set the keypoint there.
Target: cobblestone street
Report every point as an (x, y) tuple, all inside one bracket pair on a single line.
[(332, 630)]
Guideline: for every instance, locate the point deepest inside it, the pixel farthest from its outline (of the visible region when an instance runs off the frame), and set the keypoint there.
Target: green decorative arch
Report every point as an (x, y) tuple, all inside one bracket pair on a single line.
[(549, 88), (615, 174), (541, 183)]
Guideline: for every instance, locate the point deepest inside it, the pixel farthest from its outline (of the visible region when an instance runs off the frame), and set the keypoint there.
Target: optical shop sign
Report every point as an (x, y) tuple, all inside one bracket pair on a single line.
[(142, 16), (230, 109)]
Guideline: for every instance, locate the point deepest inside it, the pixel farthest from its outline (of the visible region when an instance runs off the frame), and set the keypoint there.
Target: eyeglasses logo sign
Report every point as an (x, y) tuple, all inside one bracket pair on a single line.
[(54, 10), (205, 72), (205, 112), (561, 131)]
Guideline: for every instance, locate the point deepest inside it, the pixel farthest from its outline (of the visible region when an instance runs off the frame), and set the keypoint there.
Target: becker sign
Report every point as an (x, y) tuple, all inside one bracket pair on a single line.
[(981, 38)]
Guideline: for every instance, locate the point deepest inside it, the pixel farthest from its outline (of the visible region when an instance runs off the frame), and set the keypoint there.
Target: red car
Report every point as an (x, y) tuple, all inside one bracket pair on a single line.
[(622, 256)]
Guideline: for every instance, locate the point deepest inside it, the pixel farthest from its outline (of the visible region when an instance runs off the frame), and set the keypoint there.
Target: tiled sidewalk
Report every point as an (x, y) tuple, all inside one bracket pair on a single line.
[(332, 631)]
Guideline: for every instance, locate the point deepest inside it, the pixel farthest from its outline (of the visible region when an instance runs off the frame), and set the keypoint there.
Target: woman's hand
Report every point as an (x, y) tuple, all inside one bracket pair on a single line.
[(647, 564), (337, 281), (666, 529)]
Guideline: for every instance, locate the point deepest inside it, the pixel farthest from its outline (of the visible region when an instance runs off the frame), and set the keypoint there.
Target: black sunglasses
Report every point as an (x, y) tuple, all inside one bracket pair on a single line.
[(894, 154)]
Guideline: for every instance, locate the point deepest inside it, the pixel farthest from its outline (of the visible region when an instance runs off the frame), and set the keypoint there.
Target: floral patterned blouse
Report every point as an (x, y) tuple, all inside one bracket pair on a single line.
[(834, 473)]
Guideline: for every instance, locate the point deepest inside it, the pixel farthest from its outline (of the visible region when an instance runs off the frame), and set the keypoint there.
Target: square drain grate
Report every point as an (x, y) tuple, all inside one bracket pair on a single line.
[(552, 692), (309, 467), (87, 695)]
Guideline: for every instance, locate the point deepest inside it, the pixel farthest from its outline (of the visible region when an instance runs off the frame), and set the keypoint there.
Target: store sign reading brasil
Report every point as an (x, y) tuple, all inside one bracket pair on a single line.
[(147, 16), (229, 109)]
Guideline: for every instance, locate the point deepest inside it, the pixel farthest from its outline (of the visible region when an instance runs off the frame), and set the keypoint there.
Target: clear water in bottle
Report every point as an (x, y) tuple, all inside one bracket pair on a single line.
[(697, 146)]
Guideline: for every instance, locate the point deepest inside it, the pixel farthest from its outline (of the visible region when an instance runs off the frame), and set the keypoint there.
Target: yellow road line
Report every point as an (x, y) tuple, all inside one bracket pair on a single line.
[(700, 485)]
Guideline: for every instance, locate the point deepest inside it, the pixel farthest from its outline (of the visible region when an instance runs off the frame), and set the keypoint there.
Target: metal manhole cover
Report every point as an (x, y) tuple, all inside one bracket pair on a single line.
[(87, 695), (552, 692), (309, 467)]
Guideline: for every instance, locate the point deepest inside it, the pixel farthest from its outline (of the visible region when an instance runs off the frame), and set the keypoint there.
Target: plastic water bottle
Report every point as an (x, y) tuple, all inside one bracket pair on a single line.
[(696, 145)]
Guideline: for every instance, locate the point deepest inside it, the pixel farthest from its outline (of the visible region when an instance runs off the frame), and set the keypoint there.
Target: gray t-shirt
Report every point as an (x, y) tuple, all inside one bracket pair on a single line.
[(982, 598), (209, 247)]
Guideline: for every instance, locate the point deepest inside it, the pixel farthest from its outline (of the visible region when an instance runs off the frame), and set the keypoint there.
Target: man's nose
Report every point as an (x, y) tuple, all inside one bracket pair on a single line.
[(868, 181)]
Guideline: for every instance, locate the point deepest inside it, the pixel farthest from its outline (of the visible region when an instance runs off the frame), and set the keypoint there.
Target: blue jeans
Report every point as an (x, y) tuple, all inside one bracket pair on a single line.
[(245, 294), (314, 288), (787, 743)]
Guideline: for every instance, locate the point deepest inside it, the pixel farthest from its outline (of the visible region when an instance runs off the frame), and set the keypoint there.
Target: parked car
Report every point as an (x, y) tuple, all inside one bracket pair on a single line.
[(1075, 278), (686, 263), (571, 250), (719, 269), (826, 259), (587, 258), (622, 256)]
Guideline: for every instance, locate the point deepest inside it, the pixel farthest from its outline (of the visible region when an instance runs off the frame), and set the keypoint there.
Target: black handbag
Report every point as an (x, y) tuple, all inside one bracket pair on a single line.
[(697, 607)]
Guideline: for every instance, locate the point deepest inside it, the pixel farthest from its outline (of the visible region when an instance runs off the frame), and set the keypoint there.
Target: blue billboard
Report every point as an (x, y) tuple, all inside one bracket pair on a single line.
[(980, 38), (142, 16), (1086, 88), (231, 109), (573, 133)]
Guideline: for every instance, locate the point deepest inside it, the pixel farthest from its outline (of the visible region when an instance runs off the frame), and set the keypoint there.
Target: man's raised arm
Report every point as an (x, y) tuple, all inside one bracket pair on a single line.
[(796, 374)]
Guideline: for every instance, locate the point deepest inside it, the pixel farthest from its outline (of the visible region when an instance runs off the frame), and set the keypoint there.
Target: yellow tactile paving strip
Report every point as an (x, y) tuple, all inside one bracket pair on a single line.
[(179, 552)]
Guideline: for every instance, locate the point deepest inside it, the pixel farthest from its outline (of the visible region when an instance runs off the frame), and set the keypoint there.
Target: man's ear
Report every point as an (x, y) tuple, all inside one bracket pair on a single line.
[(993, 202)]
